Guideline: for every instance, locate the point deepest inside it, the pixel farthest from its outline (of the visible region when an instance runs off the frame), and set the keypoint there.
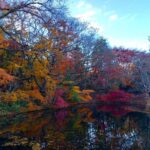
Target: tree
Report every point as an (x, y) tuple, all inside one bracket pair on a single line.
[(102, 66)]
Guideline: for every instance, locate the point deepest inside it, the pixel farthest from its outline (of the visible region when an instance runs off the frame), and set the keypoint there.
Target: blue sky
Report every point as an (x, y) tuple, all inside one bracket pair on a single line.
[(123, 22)]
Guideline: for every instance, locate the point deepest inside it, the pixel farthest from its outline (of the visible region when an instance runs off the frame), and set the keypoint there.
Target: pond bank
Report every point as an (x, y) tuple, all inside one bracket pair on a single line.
[(137, 107)]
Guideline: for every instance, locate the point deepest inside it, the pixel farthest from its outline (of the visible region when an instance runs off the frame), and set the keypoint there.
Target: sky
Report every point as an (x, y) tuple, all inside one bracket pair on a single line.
[(122, 22)]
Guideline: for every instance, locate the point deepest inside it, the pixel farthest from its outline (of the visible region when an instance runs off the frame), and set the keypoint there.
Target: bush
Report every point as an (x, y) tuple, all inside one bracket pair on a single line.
[(116, 95)]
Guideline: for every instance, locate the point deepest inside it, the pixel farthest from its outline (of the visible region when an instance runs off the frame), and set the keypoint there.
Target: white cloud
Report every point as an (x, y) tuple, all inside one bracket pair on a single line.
[(108, 13), (129, 17), (86, 15), (113, 17), (80, 4), (133, 44), (86, 12), (83, 5)]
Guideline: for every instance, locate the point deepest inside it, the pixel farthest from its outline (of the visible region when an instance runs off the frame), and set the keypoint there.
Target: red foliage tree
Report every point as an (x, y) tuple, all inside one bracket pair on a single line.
[(115, 96), (59, 101)]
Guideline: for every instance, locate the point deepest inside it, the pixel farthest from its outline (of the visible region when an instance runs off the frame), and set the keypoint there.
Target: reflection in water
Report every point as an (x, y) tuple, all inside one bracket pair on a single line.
[(84, 128), (91, 136)]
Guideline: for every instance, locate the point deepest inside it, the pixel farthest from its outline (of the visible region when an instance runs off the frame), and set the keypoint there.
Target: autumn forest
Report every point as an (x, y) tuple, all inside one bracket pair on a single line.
[(49, 59)]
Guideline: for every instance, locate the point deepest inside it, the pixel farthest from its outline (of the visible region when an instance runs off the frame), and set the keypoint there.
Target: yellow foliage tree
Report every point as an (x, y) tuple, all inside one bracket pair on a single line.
[(5, 78)]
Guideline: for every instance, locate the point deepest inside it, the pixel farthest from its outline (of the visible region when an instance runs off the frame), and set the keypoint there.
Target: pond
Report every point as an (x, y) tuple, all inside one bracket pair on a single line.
[(100, 127)]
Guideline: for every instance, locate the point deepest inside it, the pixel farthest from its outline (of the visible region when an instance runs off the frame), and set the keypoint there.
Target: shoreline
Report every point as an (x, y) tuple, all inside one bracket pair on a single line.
[(138, 107)]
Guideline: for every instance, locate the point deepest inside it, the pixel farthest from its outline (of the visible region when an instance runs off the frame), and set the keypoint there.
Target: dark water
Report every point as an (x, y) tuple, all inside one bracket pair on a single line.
[(82, 128)]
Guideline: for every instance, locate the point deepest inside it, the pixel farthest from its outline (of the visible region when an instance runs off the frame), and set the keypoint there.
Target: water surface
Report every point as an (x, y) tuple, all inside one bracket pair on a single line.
[(82, 128)]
